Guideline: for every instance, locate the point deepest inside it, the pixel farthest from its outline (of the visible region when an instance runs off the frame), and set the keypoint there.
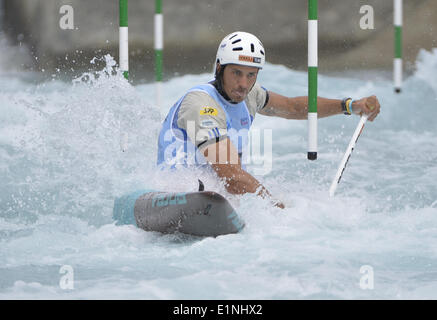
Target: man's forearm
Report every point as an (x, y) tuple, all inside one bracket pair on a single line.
[(297, 107), (238, 181), (325, 107), (328, 107)]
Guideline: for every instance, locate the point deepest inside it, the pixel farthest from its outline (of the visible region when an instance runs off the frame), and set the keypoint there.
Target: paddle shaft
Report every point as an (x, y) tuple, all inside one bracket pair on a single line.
[(347, 155)]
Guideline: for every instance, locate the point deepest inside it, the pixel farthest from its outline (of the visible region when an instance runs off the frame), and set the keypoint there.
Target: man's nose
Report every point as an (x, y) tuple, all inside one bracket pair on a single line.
[(243, 82)]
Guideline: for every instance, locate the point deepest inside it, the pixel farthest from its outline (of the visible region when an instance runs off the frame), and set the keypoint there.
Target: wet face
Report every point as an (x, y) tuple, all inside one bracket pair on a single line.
[(238, 81)]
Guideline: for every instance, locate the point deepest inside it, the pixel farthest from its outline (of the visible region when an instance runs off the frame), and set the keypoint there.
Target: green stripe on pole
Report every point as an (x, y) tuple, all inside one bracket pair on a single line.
[(398, 42), (123, 13), (158, 65), (158, 6), (312, 9), (312, 89)]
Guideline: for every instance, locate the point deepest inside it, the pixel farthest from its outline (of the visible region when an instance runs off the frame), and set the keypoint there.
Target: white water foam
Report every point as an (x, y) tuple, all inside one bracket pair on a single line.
[(61, 168)]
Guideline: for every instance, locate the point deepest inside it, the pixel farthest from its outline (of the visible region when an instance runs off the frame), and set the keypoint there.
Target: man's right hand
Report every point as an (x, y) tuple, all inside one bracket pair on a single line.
[(224, 159)]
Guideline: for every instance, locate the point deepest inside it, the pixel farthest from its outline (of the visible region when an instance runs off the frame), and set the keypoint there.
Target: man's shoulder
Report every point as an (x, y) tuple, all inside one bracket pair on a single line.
[(198, 104), (257, 90), (256, 98), (196, 100), (197, 96)]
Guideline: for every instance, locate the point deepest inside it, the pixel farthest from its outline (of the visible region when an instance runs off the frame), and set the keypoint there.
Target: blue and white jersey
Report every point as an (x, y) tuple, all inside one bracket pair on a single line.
[(202, 116)]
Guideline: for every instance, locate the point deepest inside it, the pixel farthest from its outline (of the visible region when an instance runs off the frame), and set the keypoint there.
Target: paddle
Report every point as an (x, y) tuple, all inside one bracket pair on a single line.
[(347, 155)]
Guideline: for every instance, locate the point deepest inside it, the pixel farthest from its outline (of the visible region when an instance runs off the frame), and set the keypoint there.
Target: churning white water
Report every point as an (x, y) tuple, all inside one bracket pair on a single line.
[(61, 168)]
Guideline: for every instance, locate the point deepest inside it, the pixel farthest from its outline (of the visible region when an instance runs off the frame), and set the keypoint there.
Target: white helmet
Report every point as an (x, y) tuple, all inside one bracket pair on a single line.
[(241, 48)]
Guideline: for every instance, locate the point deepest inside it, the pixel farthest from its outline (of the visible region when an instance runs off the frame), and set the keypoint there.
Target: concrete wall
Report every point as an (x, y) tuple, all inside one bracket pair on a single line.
[(193, 29)]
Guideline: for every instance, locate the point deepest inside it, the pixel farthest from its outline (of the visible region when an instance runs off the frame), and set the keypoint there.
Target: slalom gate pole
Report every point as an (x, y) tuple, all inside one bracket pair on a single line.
[(347, 155), (159, 46), (123, 43), (397, 64), (312, 80), (124, 40)]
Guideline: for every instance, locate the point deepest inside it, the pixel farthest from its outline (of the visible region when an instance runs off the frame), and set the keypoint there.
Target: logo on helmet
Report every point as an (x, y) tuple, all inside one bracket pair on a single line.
[(249, 59)]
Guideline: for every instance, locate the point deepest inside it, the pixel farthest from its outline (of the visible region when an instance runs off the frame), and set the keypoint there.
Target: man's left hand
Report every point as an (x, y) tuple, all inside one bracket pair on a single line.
[(369, 106)]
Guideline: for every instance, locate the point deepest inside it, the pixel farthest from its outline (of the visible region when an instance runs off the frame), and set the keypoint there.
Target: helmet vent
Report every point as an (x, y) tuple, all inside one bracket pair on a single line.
[(262, 52), (252, 47), (233, 36), (235, 41), (237, 49)]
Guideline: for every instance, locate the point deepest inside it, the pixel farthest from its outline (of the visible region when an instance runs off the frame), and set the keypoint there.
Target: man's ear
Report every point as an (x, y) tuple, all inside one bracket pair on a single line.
[(217, 68)]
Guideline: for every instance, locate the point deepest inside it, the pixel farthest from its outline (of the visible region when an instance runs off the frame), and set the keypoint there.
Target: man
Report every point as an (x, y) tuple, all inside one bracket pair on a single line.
[(209, 124)]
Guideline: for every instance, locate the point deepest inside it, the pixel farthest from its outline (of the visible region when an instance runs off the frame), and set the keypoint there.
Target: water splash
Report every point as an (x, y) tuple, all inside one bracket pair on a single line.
[(426, 67), (61, 167), (64, 150)]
